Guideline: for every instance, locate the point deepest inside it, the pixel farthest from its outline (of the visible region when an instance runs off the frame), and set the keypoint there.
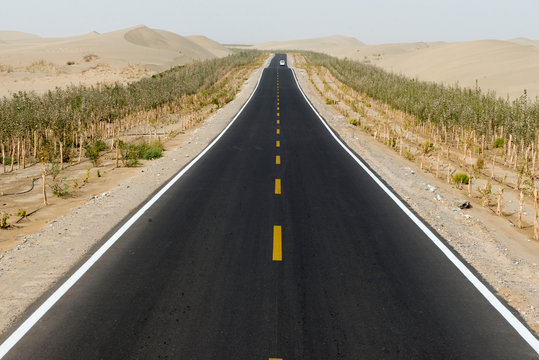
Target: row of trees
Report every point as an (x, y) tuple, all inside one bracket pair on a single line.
[(43, 126), (451, 107)]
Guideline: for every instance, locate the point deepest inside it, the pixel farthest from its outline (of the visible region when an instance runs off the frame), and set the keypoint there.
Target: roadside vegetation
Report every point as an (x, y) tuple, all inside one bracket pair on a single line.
[(125, 123), (485, 145)]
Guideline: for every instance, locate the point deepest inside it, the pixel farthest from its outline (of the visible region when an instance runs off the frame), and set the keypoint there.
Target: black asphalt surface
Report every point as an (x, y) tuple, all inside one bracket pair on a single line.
[(194, 277)]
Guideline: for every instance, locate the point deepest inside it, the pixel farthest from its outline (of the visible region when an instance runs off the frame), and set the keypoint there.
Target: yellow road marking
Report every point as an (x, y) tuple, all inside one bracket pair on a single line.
[(278, 121), (277, 186), (278, 143), (277, 160), (277, 243), (278, 131), (278, 114), (277, 108), (275, 359)]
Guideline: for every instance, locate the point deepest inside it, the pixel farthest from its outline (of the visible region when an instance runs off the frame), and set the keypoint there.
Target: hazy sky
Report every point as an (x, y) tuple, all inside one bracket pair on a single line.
[(253, 21)]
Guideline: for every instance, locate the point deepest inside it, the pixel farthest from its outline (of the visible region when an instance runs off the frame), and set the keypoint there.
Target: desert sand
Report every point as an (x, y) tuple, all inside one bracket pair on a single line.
[(506, 67), (31, 63)]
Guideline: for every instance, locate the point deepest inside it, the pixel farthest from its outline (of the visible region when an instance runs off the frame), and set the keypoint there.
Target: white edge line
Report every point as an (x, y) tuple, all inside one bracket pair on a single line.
[(14, 338), (491, 298)]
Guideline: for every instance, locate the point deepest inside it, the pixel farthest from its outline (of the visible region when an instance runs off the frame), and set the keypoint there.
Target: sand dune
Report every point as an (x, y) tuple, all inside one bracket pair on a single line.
[(506, 67), (210, 45), (333, 44), (17, 36), (28, 62)]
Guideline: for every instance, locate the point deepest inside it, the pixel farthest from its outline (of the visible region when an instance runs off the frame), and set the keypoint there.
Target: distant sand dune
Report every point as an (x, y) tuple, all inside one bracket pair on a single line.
[(506, 67), (114, 55)]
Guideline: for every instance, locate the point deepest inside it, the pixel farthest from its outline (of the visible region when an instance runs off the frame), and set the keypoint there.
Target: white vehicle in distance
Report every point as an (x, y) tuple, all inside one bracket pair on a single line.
[(282, 63)]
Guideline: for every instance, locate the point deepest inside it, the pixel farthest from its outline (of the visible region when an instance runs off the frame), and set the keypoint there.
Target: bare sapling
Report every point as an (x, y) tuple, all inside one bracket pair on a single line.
[(500, 202), (493, 164), (3, 157), (43, 176), (61, 155), (23, 155), (18, 153), (448, 175), (535, 223), (438, 166), (485, 192), (12, 157), (520, 207), (470, 185), (80, 149), (117, 152)]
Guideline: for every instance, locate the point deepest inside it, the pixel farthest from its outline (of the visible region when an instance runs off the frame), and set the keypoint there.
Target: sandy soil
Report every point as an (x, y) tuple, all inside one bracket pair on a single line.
[(42, 258), (505, 257), (31, 63), (506, 67)]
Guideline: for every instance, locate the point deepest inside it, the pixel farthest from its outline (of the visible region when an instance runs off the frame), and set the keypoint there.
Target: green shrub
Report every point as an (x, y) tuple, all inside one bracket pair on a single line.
[(355, 122), (131, 153), (461, 178), (427, 147), (330, 101), (60, 189), (3, 221), (499, 142), (94, 149)]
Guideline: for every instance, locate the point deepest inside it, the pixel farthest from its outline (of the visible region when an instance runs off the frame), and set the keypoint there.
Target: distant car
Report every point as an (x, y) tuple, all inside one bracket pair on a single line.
[(282, 63)]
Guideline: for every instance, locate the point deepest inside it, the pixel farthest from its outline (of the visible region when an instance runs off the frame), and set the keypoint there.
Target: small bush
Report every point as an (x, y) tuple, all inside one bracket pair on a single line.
[(55, 170), (90, 57), (3, 221), (70, 62), (60, 189), (330, 101), (408, 155), (7, 160), (21, 213), (499, 142), (355, 122), (480, 164), (427, 147), (100, 145), (94, 149), (460, 179)]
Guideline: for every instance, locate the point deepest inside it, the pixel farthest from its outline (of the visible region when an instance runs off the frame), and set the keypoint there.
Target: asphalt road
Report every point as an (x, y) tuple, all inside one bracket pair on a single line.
[(204, 274)]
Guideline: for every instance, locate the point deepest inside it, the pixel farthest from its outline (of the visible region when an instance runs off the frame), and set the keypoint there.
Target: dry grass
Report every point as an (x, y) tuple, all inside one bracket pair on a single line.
[(42, 65)]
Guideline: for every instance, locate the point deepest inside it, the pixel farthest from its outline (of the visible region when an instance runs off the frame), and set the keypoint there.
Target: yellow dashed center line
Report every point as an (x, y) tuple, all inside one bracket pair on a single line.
[(278, 114), (277, 143), (277, 243), (277, 186), (278, 131), (277, 108), (277, 160), (278, 122)]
